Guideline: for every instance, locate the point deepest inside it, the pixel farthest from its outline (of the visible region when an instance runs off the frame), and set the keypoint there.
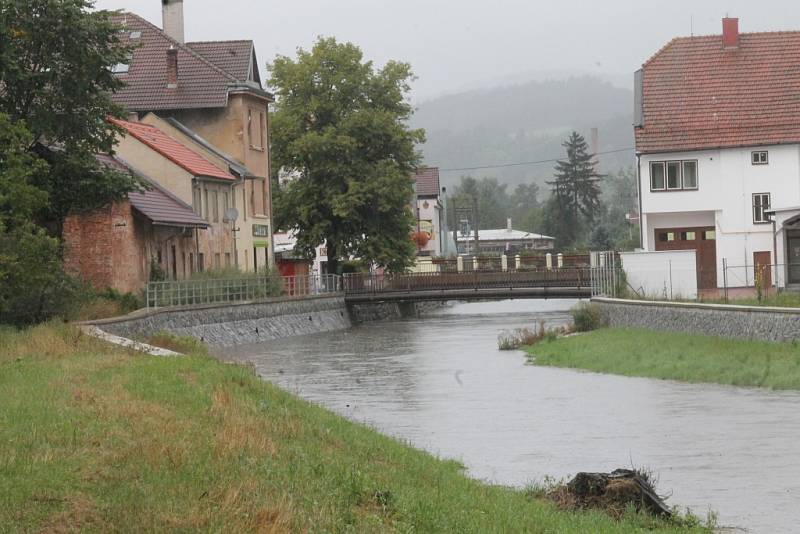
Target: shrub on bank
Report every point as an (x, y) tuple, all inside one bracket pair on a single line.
[(525, 337), (586, 317)]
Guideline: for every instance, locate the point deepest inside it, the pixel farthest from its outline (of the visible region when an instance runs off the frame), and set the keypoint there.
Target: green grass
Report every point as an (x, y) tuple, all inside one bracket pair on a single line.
[(98, 438), (784, 299), (667, 355)]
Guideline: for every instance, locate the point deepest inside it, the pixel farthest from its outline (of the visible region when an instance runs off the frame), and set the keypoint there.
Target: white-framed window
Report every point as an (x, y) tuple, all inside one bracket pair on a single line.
[(759, 157), (657, 182), (677, 175), (761, 203), (689, 174)]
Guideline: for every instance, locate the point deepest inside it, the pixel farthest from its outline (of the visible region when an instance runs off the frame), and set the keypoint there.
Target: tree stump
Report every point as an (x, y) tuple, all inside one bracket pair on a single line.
[(615, 491)]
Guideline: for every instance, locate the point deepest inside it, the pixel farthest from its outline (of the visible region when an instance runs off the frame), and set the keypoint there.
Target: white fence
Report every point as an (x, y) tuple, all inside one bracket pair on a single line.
[(664, 274)]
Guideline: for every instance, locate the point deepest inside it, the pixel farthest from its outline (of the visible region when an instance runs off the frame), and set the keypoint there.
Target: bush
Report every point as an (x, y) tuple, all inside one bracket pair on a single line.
[(587, 316), (33, 284), (181, 344), (525, 337)]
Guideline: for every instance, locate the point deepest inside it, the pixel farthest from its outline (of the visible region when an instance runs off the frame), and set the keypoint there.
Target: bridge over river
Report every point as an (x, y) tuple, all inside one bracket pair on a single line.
[(479, 285)]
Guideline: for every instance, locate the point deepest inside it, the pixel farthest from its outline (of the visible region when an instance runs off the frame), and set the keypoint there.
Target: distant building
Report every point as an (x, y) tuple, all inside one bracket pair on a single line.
[(504, 241), (429, 212)]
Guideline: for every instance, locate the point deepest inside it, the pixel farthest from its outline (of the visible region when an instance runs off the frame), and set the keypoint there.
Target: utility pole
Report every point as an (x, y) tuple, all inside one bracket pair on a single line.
[(476, 223)]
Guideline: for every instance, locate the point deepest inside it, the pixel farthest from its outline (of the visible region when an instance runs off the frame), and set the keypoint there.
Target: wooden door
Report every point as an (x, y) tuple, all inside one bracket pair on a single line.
[(762, 267), (700, 239)]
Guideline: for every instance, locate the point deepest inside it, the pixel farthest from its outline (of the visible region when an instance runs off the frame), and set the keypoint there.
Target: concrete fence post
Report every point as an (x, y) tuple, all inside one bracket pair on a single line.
[(504, 262), (549, 261), (460, 264), (517, 262), (560, 260)]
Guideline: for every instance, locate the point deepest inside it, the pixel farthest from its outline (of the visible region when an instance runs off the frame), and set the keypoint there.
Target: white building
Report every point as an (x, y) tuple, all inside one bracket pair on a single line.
[(429, 213), (717, 124), (504, 241)]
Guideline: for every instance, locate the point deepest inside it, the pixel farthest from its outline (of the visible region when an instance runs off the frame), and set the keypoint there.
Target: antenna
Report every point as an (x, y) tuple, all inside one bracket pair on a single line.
[(691, 25)]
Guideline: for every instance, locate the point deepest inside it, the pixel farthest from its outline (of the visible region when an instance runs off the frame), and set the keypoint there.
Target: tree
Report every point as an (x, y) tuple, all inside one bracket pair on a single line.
[(340, 127), (494, 203), (55, 67), (524, 202), (55, 98), (575, 187), (600, 239)]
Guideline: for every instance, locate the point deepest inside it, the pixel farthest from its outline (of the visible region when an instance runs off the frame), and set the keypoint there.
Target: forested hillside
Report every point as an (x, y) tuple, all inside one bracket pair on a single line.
[(524, 122)]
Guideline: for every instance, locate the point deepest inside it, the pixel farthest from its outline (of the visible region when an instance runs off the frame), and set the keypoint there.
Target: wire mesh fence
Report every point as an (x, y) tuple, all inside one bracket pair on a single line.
[(242, 289)]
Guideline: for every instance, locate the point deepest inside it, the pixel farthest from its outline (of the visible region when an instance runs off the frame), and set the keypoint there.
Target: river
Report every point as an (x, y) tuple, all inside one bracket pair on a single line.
[(440, 383)]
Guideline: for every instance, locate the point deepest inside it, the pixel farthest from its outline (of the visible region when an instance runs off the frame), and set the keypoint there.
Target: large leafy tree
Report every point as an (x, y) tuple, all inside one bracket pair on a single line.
[(55, 96), (340, 129), (575, 190), (55, 75)]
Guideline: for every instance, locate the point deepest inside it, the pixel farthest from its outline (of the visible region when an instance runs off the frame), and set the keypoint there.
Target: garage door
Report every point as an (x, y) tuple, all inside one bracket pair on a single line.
[(700, 239)]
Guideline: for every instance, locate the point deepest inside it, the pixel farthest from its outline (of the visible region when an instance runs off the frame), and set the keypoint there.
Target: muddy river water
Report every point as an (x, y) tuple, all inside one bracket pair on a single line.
[(440, 382)]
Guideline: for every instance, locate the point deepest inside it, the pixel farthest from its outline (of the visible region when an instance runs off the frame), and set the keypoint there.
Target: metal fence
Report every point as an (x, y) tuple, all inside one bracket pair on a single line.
[(246, 288), (753, 279), (573, 277)]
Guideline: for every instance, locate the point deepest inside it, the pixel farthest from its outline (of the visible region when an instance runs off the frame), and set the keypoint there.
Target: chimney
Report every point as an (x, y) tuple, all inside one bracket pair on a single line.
[(730, 33), (172, 68), (172, 18)]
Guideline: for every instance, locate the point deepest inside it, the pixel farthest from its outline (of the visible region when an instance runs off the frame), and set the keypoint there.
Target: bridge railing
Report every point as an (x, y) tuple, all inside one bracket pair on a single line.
[(370, 283), (246, 288)]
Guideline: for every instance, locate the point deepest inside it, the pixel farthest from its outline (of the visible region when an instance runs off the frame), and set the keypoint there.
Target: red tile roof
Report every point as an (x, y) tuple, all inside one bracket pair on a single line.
[(427, 180), (697, 95), (203, 82), (173, 150)]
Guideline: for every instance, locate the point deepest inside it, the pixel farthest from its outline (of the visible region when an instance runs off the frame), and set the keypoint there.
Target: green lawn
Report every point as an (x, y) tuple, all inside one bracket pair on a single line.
[(690, 358), (98, 438), (785, 299)]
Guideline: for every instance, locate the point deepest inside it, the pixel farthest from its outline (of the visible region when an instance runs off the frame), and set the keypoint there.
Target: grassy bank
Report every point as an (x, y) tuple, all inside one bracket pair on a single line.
[(690, 358), (98, 438)]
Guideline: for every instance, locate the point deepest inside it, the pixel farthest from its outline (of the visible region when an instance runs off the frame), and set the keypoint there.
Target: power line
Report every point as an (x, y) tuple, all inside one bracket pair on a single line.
[(521, 163)]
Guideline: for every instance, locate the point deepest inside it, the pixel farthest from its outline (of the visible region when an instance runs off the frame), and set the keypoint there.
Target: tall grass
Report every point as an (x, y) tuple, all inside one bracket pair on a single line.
[(102, 439), (677, 356)]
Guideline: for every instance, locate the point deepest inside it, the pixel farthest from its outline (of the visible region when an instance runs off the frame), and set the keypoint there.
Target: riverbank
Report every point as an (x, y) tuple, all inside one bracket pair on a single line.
[(96, 437), (675, 356)]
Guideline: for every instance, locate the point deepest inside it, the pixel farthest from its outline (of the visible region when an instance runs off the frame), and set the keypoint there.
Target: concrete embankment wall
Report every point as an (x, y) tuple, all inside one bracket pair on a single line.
[(740, 322), (236, 324), (254, 322)]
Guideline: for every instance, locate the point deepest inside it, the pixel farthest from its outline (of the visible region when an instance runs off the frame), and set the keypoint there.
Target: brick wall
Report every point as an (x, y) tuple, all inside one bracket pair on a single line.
[(107, 247)]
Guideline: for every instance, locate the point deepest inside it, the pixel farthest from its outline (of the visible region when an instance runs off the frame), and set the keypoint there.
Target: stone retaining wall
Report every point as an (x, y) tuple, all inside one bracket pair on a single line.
[(741, 322), (236, 324)]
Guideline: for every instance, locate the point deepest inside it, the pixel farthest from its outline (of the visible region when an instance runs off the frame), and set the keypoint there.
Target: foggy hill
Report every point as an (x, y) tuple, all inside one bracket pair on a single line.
[(524, 122)]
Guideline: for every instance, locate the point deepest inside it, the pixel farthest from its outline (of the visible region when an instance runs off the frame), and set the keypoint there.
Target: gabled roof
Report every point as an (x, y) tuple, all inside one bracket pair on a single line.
[(698, 95), (234, 57), (427, 180), (157, 204), (202, 82), (174, 151)]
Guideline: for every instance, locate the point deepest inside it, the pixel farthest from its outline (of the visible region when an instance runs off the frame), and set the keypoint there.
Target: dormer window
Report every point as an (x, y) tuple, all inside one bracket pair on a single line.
[(760, 157)]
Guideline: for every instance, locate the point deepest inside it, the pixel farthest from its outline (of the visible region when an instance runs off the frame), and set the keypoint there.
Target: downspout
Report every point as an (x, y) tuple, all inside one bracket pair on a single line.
[(639, 188)]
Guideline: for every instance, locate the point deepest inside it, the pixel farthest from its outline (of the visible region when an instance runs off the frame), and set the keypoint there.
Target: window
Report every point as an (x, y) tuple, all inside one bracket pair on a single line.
[(689, 174), (122, 68), (688, 236), (227, 259), (673, 175), (760, 205), (666, 236), (709, 235), (215, 205), (201, 264), (760, 157), (216, 261), (657, 175), (205, 204), (191, 263), (196, 200), (254, 134)]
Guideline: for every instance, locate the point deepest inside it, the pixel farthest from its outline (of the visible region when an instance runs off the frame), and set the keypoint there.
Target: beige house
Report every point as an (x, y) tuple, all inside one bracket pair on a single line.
[(208, 96)]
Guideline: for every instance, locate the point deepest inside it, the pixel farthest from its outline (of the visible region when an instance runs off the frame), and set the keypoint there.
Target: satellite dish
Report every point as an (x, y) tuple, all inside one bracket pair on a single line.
[(231, 215)]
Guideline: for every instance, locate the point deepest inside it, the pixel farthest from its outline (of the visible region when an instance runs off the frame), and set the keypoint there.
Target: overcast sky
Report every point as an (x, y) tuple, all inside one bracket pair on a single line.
[(457, 44)]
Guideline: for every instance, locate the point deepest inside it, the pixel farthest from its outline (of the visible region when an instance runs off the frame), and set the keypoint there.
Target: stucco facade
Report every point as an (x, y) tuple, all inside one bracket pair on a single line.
[(727, 181)]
